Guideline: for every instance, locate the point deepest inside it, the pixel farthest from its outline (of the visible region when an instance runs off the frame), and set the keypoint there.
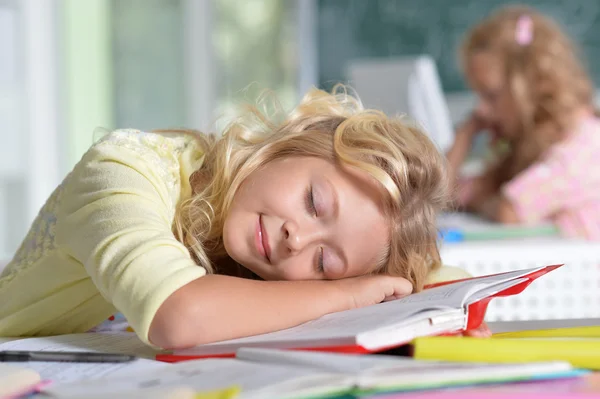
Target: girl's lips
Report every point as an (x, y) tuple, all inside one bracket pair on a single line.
[(262, 240), (265, 241)]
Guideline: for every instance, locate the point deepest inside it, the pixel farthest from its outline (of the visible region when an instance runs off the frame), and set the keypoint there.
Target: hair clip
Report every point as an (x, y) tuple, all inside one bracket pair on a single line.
[(524, 30)]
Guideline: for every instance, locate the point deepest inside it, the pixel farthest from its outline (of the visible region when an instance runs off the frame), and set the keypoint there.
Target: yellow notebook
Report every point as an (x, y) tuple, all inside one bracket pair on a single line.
[(583, 353), (229, 393)]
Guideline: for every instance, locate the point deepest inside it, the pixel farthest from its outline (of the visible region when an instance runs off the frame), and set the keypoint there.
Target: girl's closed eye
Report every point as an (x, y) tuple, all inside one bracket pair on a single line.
[(312, 202), (313, 209), (328, 262), (320, 260)]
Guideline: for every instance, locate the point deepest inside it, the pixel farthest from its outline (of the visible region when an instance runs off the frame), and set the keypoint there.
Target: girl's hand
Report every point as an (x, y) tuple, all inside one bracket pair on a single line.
[(483, 331), (370, 290), (473, 125)]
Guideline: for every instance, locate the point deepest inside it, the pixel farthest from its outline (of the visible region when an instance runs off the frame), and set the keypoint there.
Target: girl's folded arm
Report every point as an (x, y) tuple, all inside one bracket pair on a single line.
[(215, 307)]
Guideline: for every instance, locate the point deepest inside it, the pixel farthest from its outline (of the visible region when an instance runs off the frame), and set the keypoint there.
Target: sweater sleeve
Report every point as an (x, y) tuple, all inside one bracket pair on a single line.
[(116, 219)]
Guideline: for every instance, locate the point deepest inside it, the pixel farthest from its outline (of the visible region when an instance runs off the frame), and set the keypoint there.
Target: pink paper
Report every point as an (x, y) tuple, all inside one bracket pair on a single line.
[(570, 388), (37, 388), (484, 394)]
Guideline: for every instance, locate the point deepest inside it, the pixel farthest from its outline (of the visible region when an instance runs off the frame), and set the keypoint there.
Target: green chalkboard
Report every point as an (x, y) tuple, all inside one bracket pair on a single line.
[(352, 29)]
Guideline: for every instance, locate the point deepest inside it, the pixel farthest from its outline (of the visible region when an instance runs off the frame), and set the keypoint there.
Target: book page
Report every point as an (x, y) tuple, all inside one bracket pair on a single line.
[(458, 294), (331, 362), (493, 290), (360, 365), (377, 371), (404, 368), (255, 380), (127, 343)]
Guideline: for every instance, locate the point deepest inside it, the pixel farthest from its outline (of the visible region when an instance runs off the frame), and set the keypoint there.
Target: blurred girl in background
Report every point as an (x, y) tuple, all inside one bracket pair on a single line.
[(536, 100)]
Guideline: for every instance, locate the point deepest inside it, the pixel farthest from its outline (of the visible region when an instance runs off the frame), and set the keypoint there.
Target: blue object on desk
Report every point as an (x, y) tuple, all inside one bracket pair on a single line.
[(452, 235), (502, 232)]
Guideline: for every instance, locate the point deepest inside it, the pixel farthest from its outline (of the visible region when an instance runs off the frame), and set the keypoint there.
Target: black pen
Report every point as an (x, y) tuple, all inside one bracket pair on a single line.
[(79, 357)]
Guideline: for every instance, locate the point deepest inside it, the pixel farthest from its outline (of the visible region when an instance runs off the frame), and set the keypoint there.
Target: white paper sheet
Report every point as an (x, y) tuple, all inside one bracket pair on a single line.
[(156, 393), (255, 380), (62, 372)]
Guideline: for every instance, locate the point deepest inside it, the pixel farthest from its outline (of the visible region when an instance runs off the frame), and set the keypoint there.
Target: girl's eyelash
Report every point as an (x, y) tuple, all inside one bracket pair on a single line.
[(321, 267), (312, 209), (310, 201)]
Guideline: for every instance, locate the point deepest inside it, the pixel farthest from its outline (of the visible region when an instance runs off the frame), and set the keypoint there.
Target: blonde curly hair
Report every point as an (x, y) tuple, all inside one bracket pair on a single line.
[(546, 79), (334, 127)]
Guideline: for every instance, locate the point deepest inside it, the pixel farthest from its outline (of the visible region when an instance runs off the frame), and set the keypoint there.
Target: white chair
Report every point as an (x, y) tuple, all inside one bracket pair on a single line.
[(571, 292), (409, 86)]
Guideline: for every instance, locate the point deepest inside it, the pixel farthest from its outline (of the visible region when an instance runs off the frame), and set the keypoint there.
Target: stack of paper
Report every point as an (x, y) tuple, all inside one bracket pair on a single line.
[(268, 373)]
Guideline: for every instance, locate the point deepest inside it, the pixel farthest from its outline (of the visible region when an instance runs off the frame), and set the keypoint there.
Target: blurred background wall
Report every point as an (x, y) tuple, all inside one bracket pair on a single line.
[(71, 69)]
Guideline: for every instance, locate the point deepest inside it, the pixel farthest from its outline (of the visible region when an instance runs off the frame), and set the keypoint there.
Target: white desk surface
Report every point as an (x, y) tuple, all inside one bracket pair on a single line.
[(527, 325)]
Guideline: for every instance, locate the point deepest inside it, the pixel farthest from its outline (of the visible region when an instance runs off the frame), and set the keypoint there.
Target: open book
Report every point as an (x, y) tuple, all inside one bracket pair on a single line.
[(445, 308)]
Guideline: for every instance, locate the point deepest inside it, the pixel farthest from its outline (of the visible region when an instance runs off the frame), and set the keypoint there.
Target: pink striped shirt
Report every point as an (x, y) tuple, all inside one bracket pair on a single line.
[(563, 187)]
